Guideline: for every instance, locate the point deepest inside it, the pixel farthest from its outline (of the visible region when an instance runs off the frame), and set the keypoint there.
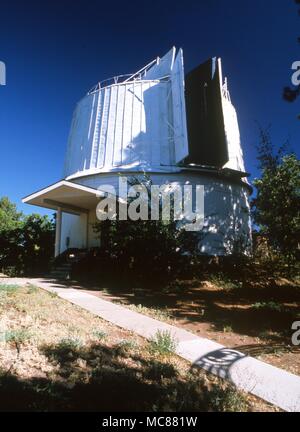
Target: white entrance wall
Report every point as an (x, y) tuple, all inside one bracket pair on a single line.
[(93, 238), (73, 231)]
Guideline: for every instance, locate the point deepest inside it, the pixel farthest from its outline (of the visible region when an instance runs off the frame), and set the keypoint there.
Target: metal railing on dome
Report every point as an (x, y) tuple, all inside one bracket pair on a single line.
[(127, 78)]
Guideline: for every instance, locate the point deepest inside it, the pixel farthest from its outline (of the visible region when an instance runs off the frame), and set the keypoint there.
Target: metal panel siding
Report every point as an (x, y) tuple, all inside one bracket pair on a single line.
[(179, 113), (111, 126), (143, 150), (136, 121), (153, 131), (164, 125), (95, 127), (118, 138), (70, 145), (127, 124), (81, 151), (105, 96)]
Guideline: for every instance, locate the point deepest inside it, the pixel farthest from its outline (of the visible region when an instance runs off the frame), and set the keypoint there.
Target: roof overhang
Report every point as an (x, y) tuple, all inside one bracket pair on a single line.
[(70, 197)]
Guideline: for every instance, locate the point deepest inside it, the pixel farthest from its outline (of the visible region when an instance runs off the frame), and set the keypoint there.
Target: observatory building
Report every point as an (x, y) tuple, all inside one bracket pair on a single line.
[(178, 129)]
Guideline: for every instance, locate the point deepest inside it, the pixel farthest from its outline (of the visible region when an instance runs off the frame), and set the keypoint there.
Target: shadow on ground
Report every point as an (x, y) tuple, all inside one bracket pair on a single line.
[(98, 378)]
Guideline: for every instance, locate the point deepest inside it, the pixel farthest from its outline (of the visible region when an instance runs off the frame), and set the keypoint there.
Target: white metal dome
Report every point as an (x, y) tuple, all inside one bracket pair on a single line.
[(131, 122)]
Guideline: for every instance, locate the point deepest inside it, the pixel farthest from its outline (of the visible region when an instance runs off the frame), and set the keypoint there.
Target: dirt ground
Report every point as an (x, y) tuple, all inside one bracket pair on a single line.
[(256, 319), (55, 356)]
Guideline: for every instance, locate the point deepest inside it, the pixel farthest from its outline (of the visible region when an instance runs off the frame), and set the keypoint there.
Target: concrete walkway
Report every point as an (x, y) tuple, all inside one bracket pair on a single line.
[(272, 384)]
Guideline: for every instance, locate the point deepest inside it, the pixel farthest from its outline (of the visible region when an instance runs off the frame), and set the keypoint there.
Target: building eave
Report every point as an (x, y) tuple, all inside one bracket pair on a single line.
[(71, 197)]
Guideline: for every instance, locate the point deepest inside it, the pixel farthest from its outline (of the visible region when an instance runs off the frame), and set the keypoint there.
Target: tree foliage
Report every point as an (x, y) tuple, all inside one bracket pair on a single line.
[(9, 216), (26, 242), (276, 208), (143, 251)]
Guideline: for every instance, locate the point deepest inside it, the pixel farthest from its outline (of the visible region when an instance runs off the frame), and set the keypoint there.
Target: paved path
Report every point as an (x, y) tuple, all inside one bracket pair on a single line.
[(272, 384)]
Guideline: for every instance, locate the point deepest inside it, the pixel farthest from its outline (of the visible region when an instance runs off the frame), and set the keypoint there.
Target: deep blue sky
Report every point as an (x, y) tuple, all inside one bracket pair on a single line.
[(56, 50)]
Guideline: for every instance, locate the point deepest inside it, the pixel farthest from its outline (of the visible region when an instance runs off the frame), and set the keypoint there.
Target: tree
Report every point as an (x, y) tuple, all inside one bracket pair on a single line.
[(37, 239), (276, 208), (26, 242), (10, 218), (145, 251)]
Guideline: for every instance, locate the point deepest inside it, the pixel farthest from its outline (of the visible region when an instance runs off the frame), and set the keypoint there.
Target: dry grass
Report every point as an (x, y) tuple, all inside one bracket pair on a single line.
[(60, 357), (252, 312)]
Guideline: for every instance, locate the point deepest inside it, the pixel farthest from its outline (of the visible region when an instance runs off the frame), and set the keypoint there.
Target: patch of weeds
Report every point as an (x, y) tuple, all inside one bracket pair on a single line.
[(70, 343), (32, 289), (227, 328), (270, 306), (227, 400), (162, 343), (9, 289), (158, 313), (157, 371), (100, 334), (18, 337), (53, 294), (221, 280), (278, 351), (125, 346), (67, 349), (265, 334), (3, 298)]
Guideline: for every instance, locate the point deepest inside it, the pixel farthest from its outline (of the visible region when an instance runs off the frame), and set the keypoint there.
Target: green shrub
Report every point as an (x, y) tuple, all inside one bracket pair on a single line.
[(18, 336), (69, 343), (223, 281), (124, 346), (100, 334), (32, 289), (227, 400), (162, 343), (270, 306)]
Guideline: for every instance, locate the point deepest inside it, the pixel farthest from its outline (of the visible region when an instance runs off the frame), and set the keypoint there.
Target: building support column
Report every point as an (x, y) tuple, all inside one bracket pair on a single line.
[(58, 231)]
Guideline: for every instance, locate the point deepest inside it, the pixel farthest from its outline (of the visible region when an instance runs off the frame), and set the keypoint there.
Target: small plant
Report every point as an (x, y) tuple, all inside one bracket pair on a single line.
[(158, 313), (124, 346), (17, 337), (162, 343), (100, 334), (66, 350), (223, 281), (69, 343), (32, 289), (227, 329), (271, 306), (227, 400), (157, 371)]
